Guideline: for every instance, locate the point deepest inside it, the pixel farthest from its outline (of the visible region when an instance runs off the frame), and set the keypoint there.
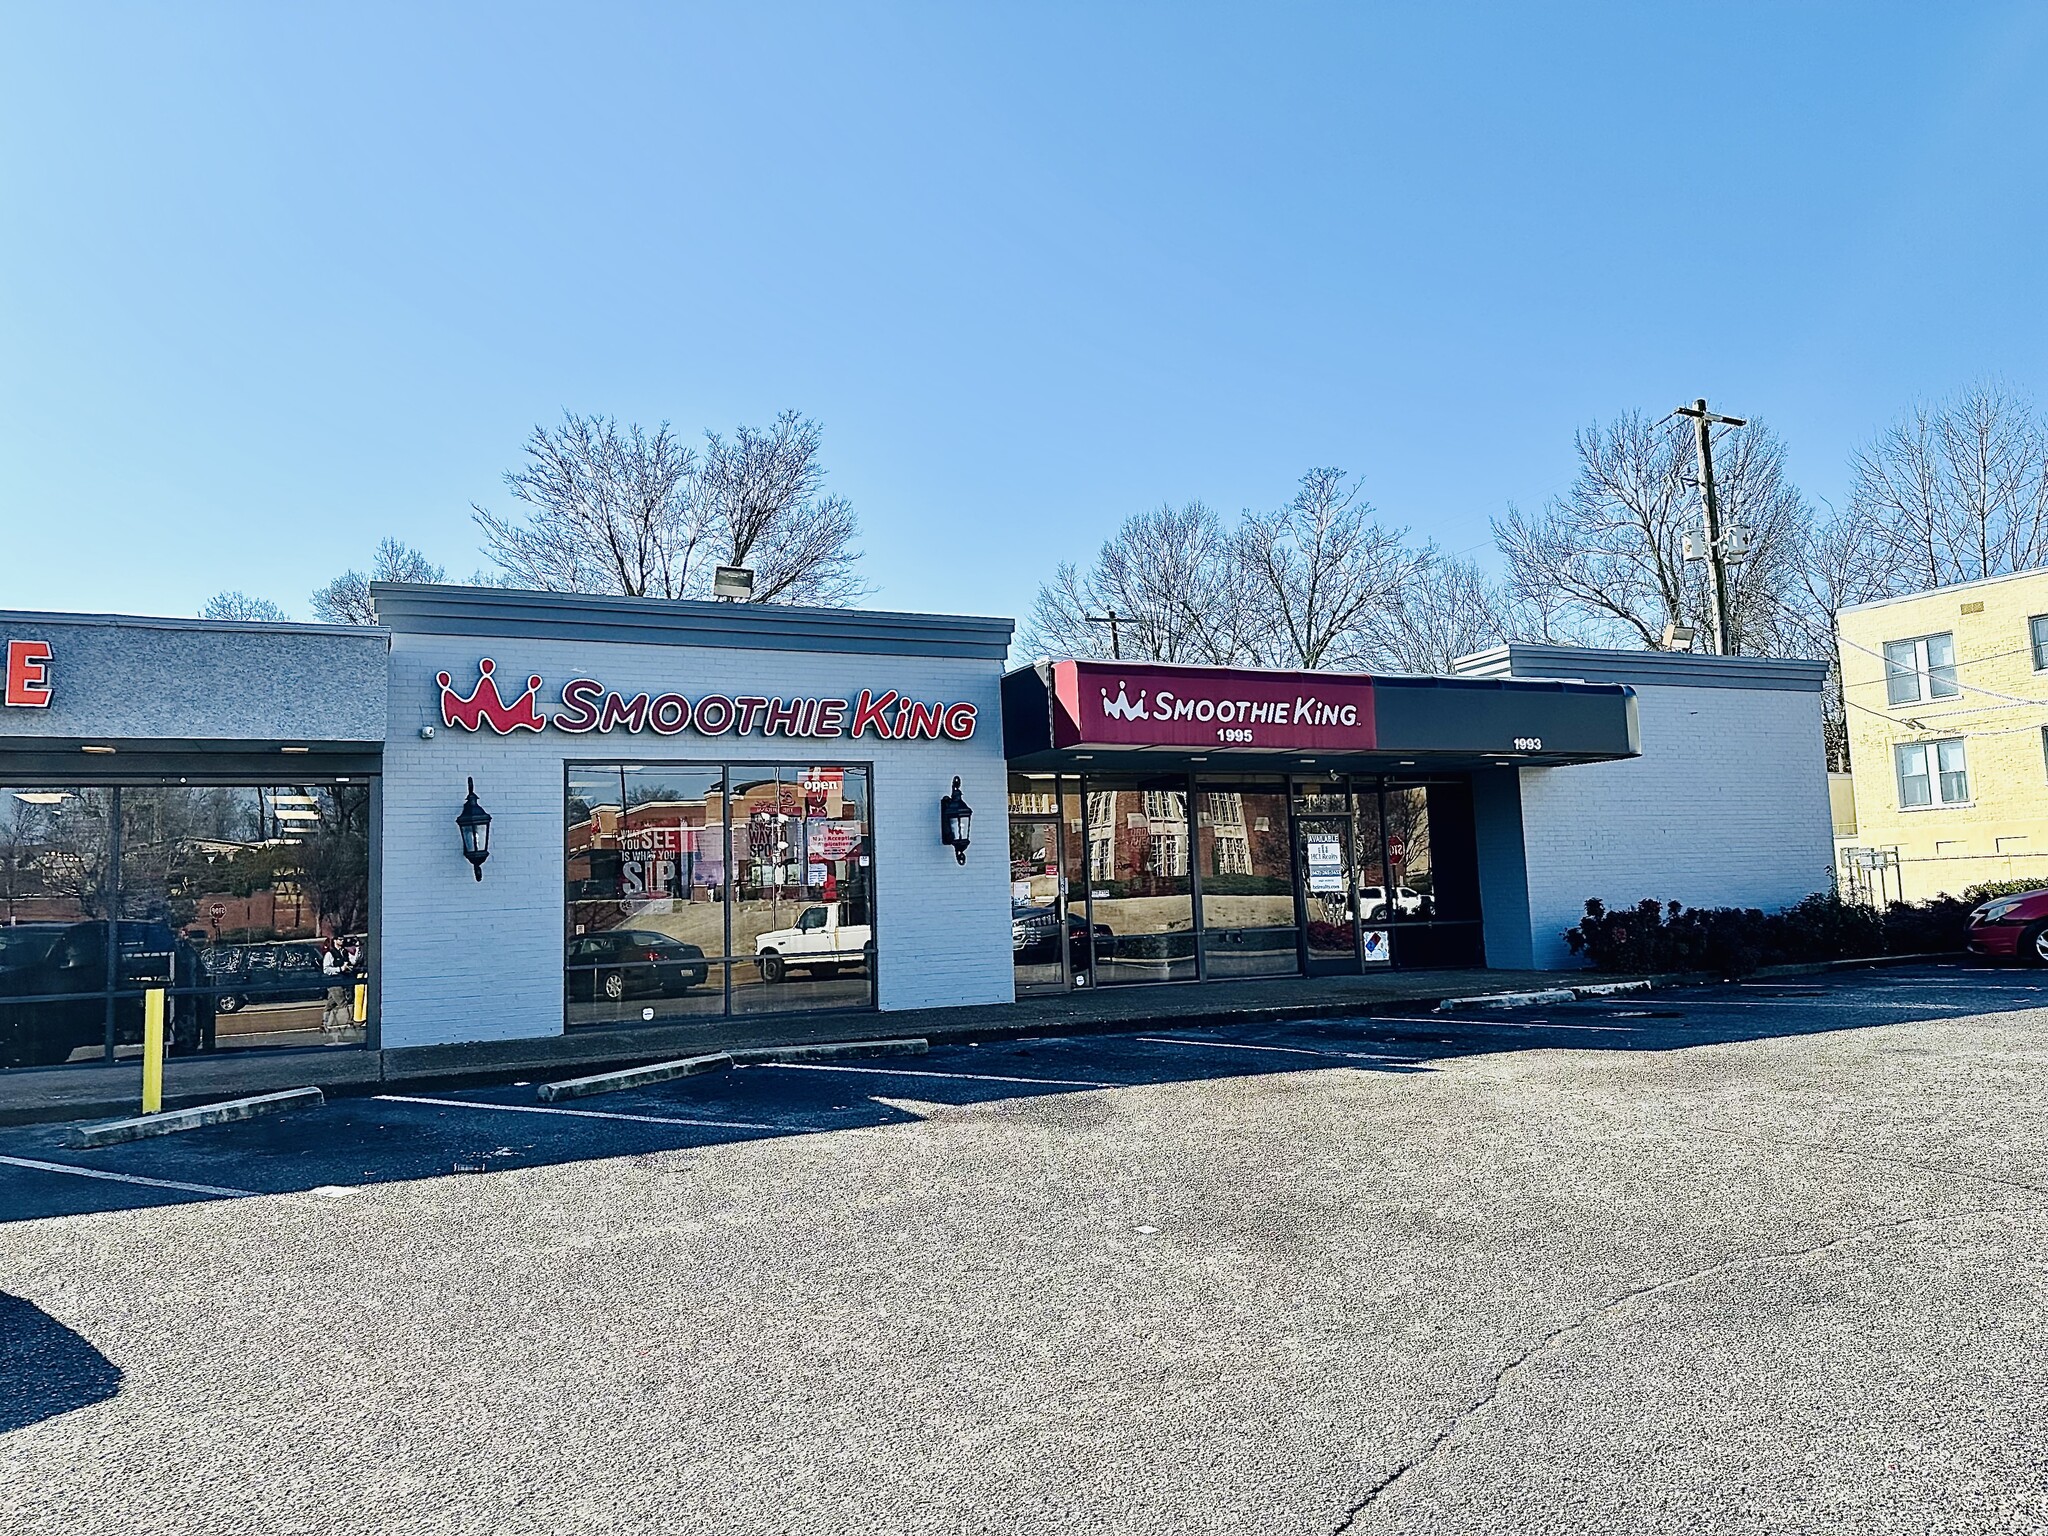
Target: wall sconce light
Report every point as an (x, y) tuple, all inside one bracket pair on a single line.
[(474, 822), (956, 819)]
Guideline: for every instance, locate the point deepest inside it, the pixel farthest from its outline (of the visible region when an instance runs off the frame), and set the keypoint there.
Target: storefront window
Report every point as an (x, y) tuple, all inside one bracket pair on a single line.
[(1247, 872), (1141, 898), (694, 891), (248, 905)]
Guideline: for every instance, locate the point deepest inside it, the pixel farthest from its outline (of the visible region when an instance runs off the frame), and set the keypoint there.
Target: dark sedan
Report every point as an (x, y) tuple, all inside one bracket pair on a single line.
[(630, 963), (1034, 936)]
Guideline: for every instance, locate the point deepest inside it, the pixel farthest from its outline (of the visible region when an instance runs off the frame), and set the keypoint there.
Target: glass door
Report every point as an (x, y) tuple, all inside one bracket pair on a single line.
[(1327, 877), (1038, 905)]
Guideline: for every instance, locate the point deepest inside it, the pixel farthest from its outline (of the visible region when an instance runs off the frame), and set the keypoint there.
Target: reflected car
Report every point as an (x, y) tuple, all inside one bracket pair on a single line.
[(67, 963), (1034, 936), (288, 972), (629, 962), (2012, 928), (1372, 901)]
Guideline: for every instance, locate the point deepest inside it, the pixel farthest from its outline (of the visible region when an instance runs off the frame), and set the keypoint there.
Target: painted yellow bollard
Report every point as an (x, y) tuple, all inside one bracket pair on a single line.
[(361, 1011), (153, 1050)]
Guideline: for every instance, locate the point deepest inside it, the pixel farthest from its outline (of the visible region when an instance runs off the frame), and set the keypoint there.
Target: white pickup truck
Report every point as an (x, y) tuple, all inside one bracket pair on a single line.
[(819, 943)]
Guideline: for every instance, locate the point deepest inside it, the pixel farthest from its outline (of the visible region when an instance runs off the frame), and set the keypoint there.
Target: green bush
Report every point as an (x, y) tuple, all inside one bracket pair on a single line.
[(1736, 941)]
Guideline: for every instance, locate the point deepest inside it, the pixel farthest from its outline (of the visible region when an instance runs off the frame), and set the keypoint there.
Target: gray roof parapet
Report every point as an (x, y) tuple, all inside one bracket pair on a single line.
[(421, 609), (1644, 669)]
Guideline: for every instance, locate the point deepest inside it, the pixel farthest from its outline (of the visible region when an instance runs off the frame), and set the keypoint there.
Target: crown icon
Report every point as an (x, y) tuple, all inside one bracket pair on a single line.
[(1123, 707), (484, 706)]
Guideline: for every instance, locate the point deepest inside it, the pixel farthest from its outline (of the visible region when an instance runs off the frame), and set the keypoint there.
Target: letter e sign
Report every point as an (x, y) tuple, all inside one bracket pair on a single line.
[(28, 674)]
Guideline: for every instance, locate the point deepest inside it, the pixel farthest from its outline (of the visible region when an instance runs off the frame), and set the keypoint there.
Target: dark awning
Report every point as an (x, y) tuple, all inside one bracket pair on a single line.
[(1152, 714)]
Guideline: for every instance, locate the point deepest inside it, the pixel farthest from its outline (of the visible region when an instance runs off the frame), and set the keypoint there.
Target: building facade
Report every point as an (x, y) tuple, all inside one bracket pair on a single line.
[(745, 819), (1947, 695)]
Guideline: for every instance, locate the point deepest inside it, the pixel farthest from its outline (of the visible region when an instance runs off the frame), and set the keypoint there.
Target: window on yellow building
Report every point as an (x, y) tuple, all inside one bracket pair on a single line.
[(2037, 631), (1921, 668), (1931, 772)]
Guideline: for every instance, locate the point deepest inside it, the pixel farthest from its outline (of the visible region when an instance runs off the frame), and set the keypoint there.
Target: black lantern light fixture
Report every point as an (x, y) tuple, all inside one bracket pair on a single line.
[(475, 825), (956, 818)]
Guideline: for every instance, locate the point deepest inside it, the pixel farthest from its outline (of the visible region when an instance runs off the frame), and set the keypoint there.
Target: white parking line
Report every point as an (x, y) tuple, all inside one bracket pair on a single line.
[(125, 1178), (1283, 1050), (964, 1077), (579, 1114)]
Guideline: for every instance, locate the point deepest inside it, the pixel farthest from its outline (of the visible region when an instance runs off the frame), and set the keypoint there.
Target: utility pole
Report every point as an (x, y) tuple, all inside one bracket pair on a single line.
[(1719, 553), (1115, 647)]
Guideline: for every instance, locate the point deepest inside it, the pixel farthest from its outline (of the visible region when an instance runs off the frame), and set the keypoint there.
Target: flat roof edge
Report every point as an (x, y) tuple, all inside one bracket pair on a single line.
[(25, 616), (412, 608)]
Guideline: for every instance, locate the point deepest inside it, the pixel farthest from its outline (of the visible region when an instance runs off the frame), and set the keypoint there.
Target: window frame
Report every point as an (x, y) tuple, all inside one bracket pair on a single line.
[(1925, 674), (1932, 773), (2037, 636)]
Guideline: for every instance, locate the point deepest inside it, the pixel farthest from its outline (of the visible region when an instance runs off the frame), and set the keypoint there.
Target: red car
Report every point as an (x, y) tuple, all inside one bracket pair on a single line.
[(2012, 928)]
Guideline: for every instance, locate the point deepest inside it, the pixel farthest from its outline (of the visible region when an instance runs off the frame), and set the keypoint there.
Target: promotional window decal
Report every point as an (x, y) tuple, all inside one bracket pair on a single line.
[(28, 674), (587, 707)]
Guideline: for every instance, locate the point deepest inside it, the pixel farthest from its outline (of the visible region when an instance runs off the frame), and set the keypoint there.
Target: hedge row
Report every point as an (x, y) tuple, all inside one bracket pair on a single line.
[(1735, 941)]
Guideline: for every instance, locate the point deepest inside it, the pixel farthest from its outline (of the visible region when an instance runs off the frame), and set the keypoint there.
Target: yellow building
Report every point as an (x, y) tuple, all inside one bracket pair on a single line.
[(1947, 696)]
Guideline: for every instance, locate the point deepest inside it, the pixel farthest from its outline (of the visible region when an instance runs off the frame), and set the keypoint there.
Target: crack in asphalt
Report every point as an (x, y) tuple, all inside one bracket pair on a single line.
[(1973, 1174), (1505, 1376)]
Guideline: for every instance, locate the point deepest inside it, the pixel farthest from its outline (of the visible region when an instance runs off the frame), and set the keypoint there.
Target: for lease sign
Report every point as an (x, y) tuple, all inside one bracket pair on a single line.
[(28, 674)]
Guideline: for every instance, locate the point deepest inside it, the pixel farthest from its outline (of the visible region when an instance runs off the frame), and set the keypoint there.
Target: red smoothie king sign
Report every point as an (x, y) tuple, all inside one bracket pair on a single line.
[(1145, 704)]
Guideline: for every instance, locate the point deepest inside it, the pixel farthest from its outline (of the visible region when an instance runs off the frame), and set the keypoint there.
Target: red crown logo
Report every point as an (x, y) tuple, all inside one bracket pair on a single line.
[(485, 707)]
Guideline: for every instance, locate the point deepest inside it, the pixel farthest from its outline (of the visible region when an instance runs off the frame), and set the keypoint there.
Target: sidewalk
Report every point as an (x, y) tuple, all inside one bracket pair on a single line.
[(79, 1092)]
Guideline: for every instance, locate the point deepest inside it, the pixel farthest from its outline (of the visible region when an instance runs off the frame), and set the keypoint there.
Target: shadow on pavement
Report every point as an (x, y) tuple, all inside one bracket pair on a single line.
[(357, 1142), (45, 1368)]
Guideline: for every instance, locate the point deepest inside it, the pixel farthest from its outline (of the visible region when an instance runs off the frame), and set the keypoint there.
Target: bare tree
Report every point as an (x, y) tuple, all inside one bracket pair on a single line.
[(239, 605), (1958, 491), (1610, 554), (1449, 609), (1168, 575), (346, 599), (761, 500), (609, 511), (622, 511), (1325, 577)]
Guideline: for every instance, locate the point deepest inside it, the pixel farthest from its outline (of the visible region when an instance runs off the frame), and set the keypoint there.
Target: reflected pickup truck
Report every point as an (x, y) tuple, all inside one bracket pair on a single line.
[(819, 943)]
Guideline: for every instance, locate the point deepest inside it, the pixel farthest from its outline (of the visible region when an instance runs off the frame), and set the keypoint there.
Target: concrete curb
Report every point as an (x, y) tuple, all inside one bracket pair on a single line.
[(1509, 1000), (633, 1077), (114, 1132), (829, 1050)]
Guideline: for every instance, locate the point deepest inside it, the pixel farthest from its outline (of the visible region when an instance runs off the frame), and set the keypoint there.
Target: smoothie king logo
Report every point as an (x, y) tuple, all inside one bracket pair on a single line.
[(1167, 705), (587, 706)]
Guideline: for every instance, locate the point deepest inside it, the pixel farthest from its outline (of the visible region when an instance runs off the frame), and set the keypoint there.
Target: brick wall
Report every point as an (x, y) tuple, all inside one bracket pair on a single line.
[(468, 961), (1727, 806)]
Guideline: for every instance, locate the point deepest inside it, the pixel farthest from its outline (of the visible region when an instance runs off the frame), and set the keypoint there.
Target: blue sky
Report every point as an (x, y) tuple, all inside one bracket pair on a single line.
[(278, 280)]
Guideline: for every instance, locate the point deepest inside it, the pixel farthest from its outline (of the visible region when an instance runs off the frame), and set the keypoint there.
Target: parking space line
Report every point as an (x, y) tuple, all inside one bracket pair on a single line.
[(126, 1178), (1233, 1045), (579, 1114), (964, 1077)]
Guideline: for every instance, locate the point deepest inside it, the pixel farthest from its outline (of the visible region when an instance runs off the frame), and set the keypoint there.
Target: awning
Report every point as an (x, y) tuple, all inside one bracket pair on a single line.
[(1143, 715)]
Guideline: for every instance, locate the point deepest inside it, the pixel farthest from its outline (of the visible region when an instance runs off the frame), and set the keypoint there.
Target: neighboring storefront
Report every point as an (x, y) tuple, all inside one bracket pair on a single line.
[(696, 810)]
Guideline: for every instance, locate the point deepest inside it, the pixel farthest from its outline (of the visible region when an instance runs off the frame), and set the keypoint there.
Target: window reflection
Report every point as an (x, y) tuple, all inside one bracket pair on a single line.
[(1141, 895), (694, 891), (249, 905)]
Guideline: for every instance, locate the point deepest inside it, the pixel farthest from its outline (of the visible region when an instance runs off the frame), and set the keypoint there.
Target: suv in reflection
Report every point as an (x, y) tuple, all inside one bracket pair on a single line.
[(266, 973), (1372, 901), (66, 963), (629, 962), (818, 942), (1034, 936)]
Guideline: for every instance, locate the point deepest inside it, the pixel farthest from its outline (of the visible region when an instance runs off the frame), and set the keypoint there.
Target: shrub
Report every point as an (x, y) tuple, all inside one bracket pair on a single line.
[(1735, 941)]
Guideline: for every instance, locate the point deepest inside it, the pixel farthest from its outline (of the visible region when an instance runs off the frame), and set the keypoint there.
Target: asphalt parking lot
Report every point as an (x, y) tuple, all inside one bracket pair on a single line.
[(1761, 1258)]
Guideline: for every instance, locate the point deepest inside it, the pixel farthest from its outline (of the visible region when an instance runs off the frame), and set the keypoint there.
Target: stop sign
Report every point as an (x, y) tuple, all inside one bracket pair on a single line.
[(217, 911), (1396, 850)]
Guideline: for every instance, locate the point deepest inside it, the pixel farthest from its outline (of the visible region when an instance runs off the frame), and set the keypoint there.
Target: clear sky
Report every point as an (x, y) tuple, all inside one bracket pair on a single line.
[(277, 280)]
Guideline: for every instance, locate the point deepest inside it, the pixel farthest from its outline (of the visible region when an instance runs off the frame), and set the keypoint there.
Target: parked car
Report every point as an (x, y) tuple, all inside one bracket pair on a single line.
[(1034, 936), (1372, 902), (818, 942), (287, 972), (630, 962), (2012, 927), (67, 962)]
